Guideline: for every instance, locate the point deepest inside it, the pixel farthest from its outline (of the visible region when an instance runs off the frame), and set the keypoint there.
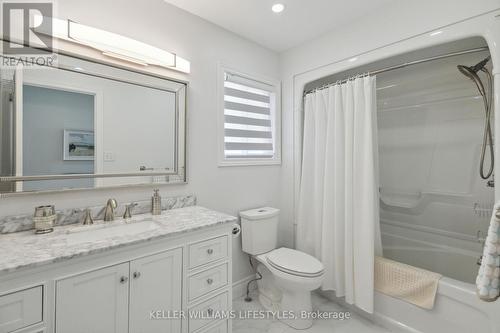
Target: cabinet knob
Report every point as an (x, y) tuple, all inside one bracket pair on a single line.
[(210, 281), (210, 251), (136, 275), (123, 279)]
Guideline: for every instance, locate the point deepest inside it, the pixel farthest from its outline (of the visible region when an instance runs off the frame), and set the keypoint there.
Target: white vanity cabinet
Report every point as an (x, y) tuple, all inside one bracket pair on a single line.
[(144, 287), (94, 302), (208, 285), (120, 298), (20, 309), (155, 285)]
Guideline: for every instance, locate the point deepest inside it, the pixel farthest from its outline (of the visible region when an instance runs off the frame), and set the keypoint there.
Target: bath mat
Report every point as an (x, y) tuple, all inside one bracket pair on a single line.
[(488, 277), (411, 284)]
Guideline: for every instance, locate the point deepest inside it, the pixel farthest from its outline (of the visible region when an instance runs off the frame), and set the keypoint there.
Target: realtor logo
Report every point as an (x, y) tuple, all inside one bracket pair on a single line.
[(20, 19)]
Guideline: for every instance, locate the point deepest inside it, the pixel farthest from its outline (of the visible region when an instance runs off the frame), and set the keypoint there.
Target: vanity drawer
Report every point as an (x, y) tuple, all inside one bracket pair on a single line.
[(207, 310), (219, 328), (21, 309), (207, 251), (207, 281)]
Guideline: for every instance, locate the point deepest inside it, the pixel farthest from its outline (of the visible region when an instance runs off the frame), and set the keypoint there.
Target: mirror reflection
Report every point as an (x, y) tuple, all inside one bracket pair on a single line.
[(85, 125)]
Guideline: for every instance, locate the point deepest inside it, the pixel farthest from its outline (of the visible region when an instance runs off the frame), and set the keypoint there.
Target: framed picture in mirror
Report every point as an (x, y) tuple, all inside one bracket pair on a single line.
[(78, 145)]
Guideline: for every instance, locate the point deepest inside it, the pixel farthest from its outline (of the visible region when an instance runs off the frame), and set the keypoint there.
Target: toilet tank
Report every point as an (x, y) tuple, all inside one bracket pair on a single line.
[(259, 230)]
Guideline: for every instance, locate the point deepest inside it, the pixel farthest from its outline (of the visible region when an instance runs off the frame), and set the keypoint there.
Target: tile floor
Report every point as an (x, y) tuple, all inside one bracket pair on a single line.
[(356, 324)]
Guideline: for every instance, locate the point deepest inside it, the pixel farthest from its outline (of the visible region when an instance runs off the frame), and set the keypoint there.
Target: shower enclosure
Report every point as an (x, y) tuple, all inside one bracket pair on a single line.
[(434, 205), (435, 148)]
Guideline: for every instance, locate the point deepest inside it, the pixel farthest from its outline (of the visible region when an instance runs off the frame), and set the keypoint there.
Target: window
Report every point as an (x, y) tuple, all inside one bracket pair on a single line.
[(249, 120)]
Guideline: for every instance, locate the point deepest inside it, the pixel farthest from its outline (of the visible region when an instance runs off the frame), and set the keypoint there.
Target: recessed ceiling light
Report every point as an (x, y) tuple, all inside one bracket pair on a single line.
[(278, 7)]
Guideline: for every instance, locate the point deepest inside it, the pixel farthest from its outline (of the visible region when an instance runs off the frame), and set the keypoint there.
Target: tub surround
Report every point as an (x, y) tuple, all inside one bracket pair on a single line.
[(25, 249), (23, 222)]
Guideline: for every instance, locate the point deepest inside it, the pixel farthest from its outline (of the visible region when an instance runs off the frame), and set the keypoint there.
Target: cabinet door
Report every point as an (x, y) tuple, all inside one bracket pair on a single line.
[(94, 302), (156, 285), (21, 309)]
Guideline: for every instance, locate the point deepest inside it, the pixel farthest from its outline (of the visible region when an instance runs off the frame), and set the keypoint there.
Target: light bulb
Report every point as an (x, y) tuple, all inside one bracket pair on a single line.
[(278, 7)]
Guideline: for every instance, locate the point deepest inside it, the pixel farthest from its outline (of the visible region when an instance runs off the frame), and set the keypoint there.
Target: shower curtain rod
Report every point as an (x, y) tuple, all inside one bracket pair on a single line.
[(403, 65)]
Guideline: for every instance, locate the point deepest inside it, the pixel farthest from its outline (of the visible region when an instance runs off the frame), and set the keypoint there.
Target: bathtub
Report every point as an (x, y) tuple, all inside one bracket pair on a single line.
[(457, 308), (455, 261)]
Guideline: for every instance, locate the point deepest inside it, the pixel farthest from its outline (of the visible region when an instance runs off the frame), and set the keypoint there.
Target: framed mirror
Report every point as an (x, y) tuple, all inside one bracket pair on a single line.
[(84, 124)]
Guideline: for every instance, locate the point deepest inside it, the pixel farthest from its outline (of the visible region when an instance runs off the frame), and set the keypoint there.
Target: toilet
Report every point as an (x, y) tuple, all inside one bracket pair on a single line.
[(288, 276)]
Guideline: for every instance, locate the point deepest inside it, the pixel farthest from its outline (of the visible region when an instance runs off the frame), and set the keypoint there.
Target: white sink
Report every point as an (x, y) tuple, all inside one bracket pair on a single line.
[(99, 232)]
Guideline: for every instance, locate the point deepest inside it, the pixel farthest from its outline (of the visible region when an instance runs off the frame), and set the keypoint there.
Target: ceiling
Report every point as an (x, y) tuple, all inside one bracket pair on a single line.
[(301, 20)]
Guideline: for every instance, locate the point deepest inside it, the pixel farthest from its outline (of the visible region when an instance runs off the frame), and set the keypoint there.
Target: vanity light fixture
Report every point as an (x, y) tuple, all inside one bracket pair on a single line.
[(118, 46), (125, 58), (115, 45), (278, 8)]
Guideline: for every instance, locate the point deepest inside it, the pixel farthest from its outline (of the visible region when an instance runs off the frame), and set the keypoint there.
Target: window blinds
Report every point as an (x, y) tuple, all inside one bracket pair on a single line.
[(249, 108)]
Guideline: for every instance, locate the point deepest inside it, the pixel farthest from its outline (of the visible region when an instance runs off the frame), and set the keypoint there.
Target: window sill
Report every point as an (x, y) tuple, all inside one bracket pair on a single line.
[(246, 162)]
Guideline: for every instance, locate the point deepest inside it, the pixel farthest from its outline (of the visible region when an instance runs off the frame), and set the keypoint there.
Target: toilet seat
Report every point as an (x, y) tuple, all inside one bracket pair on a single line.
[(295, 262)]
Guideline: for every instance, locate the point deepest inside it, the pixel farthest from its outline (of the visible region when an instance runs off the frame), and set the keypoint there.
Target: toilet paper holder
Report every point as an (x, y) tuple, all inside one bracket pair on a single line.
[(236, 231)]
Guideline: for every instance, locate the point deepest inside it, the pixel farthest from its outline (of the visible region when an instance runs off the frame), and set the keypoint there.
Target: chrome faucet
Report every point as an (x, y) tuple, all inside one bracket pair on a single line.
[(109, 212), (87, 217), (128, 210)]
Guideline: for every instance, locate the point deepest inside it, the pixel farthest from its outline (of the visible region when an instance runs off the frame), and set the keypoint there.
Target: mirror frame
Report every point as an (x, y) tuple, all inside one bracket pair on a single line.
[(180, 154)]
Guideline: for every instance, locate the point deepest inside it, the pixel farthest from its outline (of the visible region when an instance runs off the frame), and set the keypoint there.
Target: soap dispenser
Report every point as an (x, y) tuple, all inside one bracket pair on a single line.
[(156, 203)]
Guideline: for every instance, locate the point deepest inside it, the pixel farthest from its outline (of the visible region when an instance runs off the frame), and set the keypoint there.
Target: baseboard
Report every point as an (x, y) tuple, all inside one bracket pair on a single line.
[(240, 286)]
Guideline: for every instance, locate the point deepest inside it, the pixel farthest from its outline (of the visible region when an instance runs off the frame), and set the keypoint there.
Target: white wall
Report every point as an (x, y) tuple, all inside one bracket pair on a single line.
[(46, 114), (398, 21), (228, 189)]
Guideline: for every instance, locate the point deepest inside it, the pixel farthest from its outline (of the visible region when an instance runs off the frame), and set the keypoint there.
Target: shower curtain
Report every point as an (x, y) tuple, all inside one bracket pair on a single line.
[(338, 211)]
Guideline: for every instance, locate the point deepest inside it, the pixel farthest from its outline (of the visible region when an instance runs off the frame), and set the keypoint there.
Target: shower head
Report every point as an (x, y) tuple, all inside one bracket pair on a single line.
[(471, 73)]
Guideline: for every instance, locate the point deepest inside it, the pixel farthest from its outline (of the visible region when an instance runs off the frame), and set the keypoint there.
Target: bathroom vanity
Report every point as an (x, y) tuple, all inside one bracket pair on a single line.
[(146, 274), (86, 121)]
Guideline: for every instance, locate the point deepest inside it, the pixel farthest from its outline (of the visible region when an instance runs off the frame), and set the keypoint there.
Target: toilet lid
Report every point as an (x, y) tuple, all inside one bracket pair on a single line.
[(295, 262)]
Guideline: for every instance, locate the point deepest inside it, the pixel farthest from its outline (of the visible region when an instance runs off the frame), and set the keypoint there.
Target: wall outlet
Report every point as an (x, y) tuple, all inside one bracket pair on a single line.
[(159, 179), (109, 156)]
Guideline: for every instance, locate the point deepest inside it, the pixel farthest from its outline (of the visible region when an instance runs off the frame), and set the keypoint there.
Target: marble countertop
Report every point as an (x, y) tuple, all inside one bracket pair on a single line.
[(25, 249)]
